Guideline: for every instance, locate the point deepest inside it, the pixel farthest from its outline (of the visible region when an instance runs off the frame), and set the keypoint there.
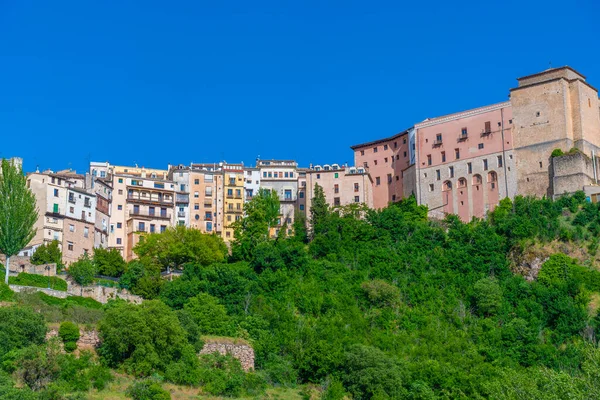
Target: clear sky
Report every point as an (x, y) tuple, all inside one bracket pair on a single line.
[(158, 82)]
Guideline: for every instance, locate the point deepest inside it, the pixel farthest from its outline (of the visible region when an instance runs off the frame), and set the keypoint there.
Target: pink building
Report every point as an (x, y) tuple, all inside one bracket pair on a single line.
[(464, 161), (386, 160)]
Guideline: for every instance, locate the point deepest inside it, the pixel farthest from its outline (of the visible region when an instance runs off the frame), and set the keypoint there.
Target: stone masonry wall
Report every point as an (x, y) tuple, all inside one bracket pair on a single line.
[(571, 173), (49, 292), (240, 351), (20, 264), (87, 339), (102, 294)]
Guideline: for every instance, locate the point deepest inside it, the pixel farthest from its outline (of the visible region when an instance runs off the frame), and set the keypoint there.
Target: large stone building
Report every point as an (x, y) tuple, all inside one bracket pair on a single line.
[(464, 163), (341, 185)]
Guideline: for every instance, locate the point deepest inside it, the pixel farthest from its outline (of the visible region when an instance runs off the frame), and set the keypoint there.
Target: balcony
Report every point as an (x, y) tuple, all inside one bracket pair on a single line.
[(208, 218), (462, 137), (486, 132), (181, 214), (72, 200), (182, 198), (437, 142), (287, 199), (136, 198), (147, 214)]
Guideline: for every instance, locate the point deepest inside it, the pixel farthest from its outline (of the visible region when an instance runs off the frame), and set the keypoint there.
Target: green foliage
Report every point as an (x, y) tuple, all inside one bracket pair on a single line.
[(209, 315), (557, 153), (69, 334), (260, 215), (33, 280), (180, 245), (319, 212), (109, 262), (488, 296), (18, 211), (223, 376), (83, 270), (48, 253), (20, 327), (144, 338), (142, 278), (5, 293), (147, 389)]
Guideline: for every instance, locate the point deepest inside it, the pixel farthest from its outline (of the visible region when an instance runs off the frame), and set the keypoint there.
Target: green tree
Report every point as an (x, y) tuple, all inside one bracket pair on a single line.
[(299, 226), (209, 315), (261, 214), (142, 278), (47, 254), (319, 212), (18, 212), (109, 262), (20, 327), (144, 338), (83, 271), (488, 296), (180, 245)]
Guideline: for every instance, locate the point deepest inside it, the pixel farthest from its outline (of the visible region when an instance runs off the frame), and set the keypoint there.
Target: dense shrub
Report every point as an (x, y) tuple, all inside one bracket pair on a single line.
[(223, 376), (147, 390), (20, 327), (42, 281), (69, 334)]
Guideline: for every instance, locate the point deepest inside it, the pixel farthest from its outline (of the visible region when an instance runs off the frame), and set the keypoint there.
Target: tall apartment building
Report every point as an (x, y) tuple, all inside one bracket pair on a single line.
[(102, 188), (282, 177), (251, 182), (464, 163), (233, 194), (341, 185), (206, 190), (67, 213)]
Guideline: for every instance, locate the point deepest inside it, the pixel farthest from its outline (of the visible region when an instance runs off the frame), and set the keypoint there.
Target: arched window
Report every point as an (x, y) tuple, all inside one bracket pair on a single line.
[(477, 179), (462, 182), (492, 176), (447, 186)]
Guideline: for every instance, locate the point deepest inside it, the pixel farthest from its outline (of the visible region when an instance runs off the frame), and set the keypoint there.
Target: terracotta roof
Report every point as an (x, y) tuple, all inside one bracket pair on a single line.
[(357, 146)]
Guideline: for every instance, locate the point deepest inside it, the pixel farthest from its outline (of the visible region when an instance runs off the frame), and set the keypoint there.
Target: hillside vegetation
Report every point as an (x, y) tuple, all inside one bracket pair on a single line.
[(366, 305)]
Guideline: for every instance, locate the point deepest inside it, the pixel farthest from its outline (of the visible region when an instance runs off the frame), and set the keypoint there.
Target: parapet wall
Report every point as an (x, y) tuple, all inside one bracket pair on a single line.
[(20, 264), (241, 351), (571, 172)]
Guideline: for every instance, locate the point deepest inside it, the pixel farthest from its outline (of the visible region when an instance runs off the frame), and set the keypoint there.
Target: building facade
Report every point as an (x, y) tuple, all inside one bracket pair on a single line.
[(281, 176), (341, 185)]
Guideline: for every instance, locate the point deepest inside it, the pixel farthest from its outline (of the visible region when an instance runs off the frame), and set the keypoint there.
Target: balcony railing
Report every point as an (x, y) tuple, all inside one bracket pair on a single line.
[(71, 200), (208, 218), (437, 142), (149, 199), (161, 215), (182, 198), (181, 214), (463, 136)]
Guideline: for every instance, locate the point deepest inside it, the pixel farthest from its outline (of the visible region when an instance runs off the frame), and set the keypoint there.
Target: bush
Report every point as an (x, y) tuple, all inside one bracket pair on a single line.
[(488, 296), (20, 327), (47, 254), (33, 280), (557, 153), (109, 262), (69, 334), (147, 390), (5, 293)]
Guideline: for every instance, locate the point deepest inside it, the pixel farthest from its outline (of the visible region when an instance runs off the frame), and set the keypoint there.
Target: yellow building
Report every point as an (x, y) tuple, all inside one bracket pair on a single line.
[(233, 198)]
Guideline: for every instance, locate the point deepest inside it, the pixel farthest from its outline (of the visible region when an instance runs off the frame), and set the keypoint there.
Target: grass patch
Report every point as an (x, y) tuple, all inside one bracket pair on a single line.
[(71, 301), (41, 281)]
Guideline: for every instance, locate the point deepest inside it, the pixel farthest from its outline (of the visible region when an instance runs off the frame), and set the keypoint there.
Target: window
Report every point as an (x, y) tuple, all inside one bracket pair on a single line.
[(469, 168), (480, 146), (55, 192), (230, 192), (208, 191), (264, 174), (142, 227), (537, 114), (70, 246), (120, 181), (395, 145), (510, 121), (287, 194), (163, 228), (428, 159), (238, 192), (488, 127), (119, 241), (301, 195), (404, 154), (208, 178), (499, 161), (336, 175), (540, 164), (318, 176), (291, 174), (464, 132), (119, 207), (398, 156), (403, 140), (375, 161), (356, 187), (397, 177), (159, 185), (451, 171), (443, 156), (196, 206), (182, 188), (431, 187), (336, 201), (438, 138), (362, 152), (485, 165), (457, 154), (389, 178), (378, 181), (152, 228), (72, 210), (385, 146), (357, 199), (437, 174), (196, 181), (301, 207), (375, 149), (71, 228), (119, 225), (336, 188)]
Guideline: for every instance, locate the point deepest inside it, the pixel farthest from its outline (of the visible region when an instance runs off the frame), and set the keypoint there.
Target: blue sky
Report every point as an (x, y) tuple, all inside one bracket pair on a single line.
[(161, 82)]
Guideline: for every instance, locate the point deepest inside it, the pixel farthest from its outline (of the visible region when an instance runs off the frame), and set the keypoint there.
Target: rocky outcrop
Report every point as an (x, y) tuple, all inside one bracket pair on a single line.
[(238, 349), (88, 339)]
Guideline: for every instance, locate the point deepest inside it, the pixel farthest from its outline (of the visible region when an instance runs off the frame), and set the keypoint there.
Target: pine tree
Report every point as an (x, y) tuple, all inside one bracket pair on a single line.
[(18, 212), (319, 212)]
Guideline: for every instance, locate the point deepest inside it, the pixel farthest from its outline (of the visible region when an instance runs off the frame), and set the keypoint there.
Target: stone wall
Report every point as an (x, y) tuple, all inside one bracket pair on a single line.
[(49, 292), (239, 350), (20, 264), (571, 173), (88, 339), (102, 294)]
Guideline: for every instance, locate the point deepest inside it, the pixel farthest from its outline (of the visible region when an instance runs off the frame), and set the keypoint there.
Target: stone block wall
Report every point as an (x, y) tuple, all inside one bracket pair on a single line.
[(102, 294), (49, 292), (20, 264), (238, 350), (88, 339), (571, 173)]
